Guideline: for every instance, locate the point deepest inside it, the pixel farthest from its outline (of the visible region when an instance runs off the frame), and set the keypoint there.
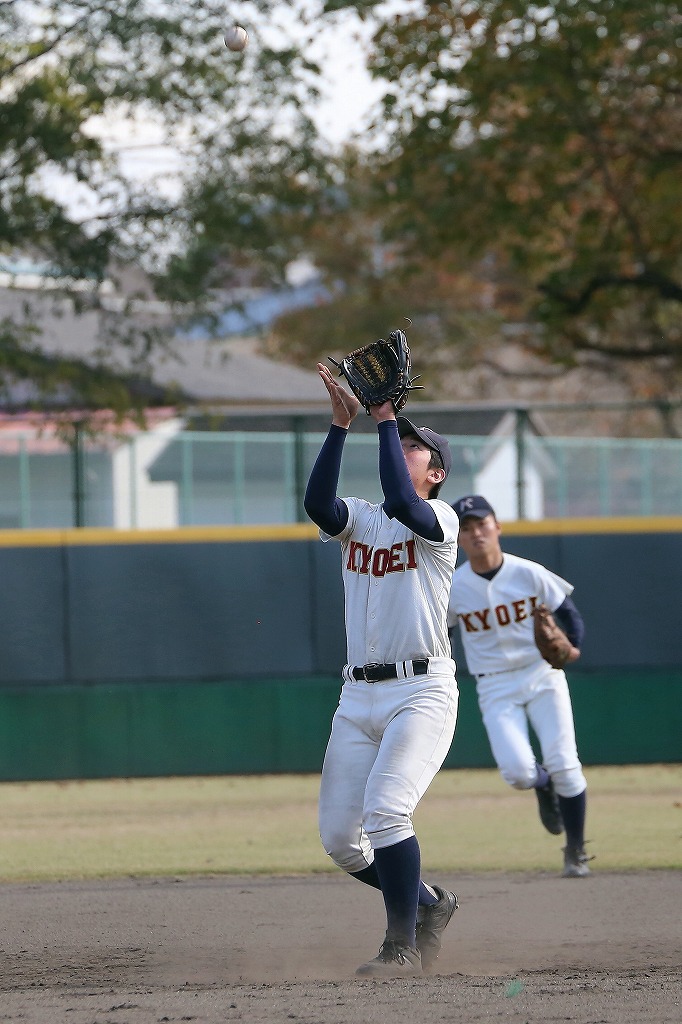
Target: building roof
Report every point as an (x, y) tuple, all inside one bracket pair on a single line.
[(232, 370), (229, 383), (196, 367)]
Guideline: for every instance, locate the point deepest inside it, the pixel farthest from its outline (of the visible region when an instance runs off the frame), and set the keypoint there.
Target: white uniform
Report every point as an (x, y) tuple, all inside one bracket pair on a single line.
[(513, 682), (388, 739)]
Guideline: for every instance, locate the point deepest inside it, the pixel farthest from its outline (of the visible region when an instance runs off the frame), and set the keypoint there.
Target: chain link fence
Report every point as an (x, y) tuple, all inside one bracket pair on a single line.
[(202, 478)]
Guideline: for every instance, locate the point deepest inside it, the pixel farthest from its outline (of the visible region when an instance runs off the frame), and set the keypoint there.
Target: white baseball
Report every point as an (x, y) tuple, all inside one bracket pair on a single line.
[(236, 38)]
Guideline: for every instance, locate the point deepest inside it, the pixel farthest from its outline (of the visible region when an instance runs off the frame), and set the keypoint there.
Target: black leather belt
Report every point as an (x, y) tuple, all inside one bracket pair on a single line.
[(378, 673)]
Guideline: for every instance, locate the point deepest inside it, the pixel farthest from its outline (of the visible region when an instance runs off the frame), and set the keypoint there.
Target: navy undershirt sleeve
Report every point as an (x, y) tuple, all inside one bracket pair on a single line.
[(401, 500), (325, 509), (571, 621)]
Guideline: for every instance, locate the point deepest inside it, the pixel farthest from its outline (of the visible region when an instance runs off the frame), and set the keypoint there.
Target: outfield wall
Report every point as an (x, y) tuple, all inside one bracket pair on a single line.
[(201, 651)]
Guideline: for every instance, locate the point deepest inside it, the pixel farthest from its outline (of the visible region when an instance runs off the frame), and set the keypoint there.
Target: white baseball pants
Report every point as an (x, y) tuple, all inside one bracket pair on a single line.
[(388, 741), (537, 694)]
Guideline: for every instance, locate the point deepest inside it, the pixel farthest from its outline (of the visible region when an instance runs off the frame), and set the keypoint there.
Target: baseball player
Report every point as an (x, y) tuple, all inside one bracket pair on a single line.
[(398, 705), (492, 597)]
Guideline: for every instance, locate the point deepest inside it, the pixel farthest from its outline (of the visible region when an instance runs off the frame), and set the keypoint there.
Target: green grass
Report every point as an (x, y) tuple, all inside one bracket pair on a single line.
[(469, 821)]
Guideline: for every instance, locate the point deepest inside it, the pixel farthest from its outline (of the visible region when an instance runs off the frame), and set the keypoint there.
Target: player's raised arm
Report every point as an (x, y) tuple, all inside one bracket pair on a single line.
[(321, 503), (411, 471), (345, 406)]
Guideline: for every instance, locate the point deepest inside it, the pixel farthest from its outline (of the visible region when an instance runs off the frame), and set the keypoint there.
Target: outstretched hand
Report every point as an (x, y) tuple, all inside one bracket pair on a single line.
[(345, 406), (385, 411)]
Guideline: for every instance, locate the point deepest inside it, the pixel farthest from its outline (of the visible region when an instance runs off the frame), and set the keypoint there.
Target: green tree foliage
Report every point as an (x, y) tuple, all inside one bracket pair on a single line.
[(69, 67), (524, 170), (536, 146), (375, 286)]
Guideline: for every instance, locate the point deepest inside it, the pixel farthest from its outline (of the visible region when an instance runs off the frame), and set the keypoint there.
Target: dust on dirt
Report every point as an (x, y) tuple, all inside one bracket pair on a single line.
[(526, 948)]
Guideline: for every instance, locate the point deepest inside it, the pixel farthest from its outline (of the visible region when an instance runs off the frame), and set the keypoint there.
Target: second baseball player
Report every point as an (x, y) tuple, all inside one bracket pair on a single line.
[(492, 598)]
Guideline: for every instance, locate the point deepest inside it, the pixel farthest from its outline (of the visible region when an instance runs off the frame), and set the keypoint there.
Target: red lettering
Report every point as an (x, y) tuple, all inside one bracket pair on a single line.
[(533, 602), (411, 555), (482, 616), (518, 607), (394, 564), (502, 613), (363, 559), (466, 619), (365, 555), (380, 562)]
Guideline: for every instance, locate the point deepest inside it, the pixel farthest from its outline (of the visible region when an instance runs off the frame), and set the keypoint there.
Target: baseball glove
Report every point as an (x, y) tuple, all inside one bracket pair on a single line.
[(550, 639), (380, 372)]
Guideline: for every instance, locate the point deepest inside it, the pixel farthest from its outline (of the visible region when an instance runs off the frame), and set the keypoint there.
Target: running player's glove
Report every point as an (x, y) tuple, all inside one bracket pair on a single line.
[(380, 372), (550, 639)]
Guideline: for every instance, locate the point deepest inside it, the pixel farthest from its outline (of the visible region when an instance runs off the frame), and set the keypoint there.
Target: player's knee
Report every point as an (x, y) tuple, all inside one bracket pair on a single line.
[(519, 775), (336, 844), (343, 850), (348, 860), (569, 782)]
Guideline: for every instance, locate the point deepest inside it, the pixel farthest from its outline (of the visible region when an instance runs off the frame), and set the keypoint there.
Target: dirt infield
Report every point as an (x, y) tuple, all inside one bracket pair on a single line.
[(530, 949)]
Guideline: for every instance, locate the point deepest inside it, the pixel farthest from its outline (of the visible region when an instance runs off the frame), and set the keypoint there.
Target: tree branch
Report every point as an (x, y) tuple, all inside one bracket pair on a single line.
[(621, 352), (652, 279), (551, 373)]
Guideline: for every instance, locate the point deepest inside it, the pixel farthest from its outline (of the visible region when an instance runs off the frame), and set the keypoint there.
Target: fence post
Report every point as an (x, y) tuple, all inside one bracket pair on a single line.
[(24, 484), (78, 475), (520, 426), (299, 469), (132, 470), (186, 479)]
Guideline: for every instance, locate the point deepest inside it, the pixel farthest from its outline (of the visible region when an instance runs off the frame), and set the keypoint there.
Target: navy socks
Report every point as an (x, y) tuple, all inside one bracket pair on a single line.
[(396, 871), (370, 877), (573, 811), (398, 868)]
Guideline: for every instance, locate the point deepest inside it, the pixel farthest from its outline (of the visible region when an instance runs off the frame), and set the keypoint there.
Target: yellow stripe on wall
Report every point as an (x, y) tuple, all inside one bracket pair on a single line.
[(596, 524), (181, 535), (306, 531)]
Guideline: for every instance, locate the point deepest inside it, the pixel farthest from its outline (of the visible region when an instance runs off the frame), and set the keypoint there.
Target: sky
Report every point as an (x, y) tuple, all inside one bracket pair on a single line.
[(349, 95)]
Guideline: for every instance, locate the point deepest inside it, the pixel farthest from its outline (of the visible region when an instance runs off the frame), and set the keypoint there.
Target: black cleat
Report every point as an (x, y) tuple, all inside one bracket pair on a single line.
[(395, 960), (548, 806), (575, 862), (431, 923)]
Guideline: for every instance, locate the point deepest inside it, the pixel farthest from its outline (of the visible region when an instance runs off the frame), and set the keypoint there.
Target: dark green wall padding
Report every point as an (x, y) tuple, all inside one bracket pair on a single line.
[(127, 730), (195, 652)]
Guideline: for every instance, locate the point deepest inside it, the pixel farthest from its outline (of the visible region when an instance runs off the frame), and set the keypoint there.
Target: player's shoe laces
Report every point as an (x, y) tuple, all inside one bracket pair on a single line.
[(548, 806), (395, 960), (575, 862), (431, 923)]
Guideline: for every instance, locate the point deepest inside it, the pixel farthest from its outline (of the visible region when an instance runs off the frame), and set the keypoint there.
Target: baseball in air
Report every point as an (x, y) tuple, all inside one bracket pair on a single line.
[(236, 38)]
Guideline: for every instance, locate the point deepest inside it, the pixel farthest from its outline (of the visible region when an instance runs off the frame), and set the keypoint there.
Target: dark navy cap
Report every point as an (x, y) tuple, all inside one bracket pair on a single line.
[(436, 442), (473, 505)]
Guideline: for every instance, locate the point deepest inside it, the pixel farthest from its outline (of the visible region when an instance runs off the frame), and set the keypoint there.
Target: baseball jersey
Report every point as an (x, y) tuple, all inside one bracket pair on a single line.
[(396, 584), (495, 616)]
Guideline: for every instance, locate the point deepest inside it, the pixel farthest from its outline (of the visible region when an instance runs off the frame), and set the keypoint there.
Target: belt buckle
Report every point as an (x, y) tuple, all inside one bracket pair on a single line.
[(371, 665)]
